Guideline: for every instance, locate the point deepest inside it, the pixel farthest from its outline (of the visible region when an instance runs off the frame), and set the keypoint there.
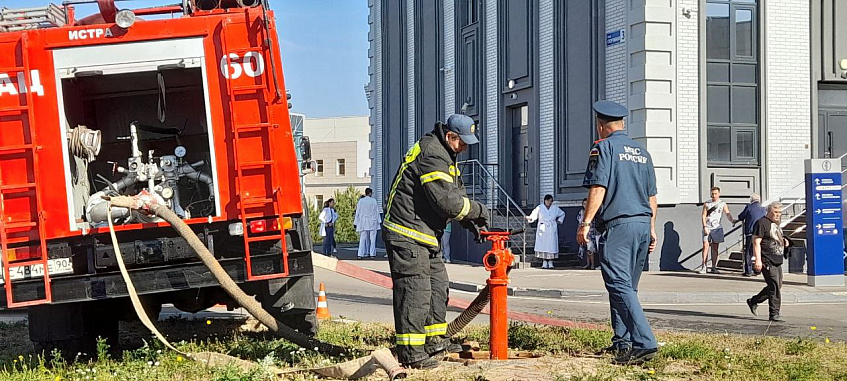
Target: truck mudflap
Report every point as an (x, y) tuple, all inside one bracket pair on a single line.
[(157, 279)]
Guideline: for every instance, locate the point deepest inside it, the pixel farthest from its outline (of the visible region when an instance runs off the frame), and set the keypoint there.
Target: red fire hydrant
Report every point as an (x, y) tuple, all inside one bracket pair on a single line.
[(497, 261)]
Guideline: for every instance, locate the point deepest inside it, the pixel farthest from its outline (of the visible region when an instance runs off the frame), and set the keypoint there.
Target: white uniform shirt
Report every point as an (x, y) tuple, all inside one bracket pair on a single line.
[(327, 215), (367, 214)]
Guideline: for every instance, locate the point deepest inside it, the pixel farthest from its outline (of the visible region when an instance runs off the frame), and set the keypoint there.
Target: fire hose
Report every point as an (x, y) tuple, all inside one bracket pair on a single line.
[(381, 358), (352, 369)]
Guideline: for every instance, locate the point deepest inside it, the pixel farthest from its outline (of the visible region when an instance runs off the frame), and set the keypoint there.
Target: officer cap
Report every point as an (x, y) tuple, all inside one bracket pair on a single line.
[(464, 126), (610, 110)]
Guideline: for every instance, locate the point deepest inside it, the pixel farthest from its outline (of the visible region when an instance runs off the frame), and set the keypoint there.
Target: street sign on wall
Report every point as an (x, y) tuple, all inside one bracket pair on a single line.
[(824, 235), (615, 37)]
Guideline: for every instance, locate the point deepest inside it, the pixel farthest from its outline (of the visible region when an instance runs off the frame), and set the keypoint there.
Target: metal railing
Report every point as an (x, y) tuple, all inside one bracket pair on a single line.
[(801, 201), (796, 201), (506, 214)]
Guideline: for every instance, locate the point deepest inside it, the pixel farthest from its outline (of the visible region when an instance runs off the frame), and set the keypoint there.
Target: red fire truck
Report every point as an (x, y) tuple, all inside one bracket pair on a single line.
[(188, 108)]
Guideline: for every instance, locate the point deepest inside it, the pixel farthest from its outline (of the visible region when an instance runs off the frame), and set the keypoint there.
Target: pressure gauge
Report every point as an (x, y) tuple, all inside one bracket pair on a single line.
[(179, 152), (167, 193)]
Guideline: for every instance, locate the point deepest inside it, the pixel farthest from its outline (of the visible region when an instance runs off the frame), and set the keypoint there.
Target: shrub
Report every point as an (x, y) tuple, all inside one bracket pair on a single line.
[(345, 205)]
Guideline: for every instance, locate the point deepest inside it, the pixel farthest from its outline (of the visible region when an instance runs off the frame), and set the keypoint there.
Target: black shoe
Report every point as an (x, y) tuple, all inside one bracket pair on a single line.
[(427, 363), (776, 318), (752, 306), (614, 350), (747, 274), (636, 356), (444, 347)]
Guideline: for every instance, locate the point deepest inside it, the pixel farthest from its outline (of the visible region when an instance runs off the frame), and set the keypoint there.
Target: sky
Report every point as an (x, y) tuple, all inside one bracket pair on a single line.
[(324, 51)]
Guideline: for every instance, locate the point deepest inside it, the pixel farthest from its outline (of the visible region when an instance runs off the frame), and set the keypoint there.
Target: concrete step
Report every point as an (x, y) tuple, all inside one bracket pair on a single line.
[(565, 260), (730, 264), (736, 256)]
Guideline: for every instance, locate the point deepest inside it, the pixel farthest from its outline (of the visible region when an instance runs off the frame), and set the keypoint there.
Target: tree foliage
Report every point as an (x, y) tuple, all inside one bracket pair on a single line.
[(345, 205)]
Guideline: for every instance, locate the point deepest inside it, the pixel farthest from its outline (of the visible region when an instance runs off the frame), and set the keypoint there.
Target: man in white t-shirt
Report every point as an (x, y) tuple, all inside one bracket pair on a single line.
[(712, 229), (367, 223)]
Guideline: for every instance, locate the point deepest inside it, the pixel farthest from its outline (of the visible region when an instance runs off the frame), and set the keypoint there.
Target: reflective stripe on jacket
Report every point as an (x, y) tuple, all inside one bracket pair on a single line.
[(427, 191)]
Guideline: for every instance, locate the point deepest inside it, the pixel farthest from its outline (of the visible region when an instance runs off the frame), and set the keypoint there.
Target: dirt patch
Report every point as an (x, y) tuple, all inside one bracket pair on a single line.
[(544, 368)]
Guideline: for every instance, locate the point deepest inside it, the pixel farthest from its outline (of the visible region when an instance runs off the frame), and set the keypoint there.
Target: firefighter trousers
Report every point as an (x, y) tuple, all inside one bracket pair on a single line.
[(420, 300)]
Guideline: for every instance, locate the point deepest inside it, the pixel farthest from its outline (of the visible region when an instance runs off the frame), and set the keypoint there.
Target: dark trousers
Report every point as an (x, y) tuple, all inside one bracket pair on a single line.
[(621, 264), (329, 240), (748, 254), (420, 299), (772, 292)]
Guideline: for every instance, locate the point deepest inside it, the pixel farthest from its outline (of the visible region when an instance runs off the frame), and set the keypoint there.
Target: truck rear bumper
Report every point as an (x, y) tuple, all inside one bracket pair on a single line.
[(158, 279)]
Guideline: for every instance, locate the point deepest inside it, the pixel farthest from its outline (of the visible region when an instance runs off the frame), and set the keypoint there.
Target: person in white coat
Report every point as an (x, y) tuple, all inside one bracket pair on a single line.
[(328, 218), (367, 223), (547, 233)]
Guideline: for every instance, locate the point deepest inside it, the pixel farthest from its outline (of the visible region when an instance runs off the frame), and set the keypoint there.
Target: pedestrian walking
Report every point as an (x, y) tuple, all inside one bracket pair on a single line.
[(622, 186), (750, 215), (367, 222), (427, 192), (445, 242), (769, 249), (713, 235), (328, 218), (549, 218), (590, 249)]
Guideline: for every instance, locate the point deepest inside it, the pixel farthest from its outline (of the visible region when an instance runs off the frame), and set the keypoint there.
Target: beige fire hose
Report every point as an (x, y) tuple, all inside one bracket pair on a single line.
[(353, 369)]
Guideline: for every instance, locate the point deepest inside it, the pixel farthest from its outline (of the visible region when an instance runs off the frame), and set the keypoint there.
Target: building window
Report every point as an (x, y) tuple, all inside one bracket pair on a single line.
[(732, 82), (319, 171), (340, 167), (319, 201)]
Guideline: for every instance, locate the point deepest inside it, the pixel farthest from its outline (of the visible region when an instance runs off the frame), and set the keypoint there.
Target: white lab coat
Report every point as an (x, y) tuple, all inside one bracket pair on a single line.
[(367, 215), (547, 233), (327, 215)]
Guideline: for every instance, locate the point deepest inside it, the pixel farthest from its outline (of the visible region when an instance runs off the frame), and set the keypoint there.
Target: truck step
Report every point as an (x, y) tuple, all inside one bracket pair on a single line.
[(13, 110), (13, 188), (264, 238), (248, 89), (256, 201), (254, 127), (256, 164)]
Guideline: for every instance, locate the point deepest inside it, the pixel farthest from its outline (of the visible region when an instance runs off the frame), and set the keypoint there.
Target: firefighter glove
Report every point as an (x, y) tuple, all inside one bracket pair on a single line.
[(482, 219)]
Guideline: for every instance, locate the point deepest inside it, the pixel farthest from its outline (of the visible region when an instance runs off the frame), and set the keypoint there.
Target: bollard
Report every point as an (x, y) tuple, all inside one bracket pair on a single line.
[(497, 261)]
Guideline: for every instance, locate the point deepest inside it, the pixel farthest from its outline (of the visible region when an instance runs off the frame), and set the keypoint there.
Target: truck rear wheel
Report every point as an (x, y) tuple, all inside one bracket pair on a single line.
[(72, 329), (306, 323), (290, 301)]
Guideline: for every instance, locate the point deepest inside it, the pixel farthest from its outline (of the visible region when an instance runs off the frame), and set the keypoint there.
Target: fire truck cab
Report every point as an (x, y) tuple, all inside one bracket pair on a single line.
[(189, 110)]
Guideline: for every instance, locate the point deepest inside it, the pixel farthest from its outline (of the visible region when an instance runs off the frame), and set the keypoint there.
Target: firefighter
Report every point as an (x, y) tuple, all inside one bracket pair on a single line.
[(426, 193)]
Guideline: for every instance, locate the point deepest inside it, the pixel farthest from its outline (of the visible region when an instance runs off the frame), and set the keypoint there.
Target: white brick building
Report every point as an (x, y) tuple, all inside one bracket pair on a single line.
[(721, 92)]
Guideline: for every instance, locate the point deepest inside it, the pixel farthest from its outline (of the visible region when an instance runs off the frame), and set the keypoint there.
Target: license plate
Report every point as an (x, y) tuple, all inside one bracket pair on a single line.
[(56, 266)]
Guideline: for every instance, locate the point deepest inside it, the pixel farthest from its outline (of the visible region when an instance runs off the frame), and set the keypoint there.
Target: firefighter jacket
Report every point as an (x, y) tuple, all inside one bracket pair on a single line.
[(427, 191)]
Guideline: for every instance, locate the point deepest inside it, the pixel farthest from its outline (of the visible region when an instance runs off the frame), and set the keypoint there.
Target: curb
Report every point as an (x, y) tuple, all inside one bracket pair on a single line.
[(658, 297)]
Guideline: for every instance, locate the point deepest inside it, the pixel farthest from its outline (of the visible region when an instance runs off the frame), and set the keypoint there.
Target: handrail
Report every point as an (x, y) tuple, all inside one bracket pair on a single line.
[(786, 191), (494, 200), (797, 201), (496, 183)]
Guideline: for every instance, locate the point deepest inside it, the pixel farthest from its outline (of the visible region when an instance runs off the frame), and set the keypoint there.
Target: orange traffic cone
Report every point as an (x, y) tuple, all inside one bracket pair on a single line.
[(323, 311)]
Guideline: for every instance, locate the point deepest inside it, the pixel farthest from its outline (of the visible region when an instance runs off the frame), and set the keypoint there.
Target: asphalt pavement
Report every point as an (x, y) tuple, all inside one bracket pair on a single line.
[(672, 301), (679, 301)]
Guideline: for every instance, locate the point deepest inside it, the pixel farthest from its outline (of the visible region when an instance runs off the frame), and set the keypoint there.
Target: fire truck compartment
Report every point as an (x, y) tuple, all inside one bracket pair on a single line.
[(136, 125)]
